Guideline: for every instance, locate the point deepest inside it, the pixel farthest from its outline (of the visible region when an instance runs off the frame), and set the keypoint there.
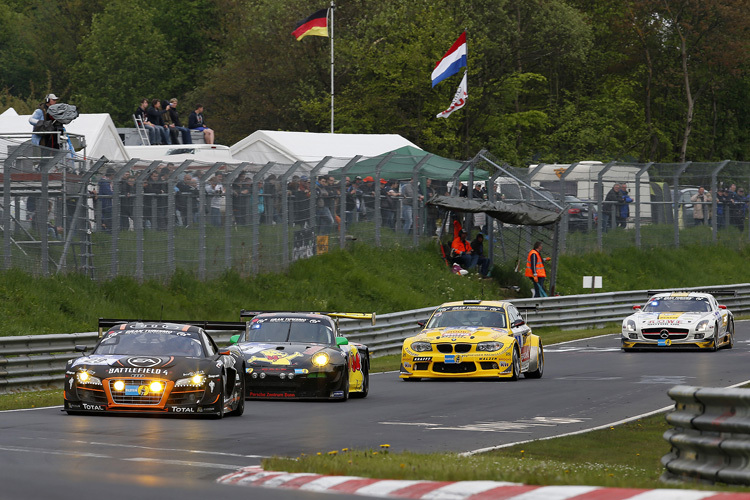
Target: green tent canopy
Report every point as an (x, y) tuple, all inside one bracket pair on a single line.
[(401, 166)]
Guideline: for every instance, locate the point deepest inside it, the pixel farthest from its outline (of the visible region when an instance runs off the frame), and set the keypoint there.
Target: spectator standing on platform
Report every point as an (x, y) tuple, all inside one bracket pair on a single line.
[(140, 113), (177, 127), (157, 120), (42, 122), (701, 207), (196, 122)]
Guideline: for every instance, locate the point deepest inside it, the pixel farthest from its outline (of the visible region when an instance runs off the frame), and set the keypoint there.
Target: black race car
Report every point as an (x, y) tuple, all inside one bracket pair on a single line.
[(294, 355), (156, 367)]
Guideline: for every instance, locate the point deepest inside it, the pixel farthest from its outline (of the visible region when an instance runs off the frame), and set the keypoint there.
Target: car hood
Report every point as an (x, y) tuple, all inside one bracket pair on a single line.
[(285, 353), (462, 333), (655, 319), (138, 366)]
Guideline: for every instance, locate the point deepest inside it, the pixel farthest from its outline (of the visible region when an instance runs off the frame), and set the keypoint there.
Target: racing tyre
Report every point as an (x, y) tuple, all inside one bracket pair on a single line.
[(241, 405), (730, 333), (516, 363), (365, 382), (715, 347), (540, 367), (220, 414)]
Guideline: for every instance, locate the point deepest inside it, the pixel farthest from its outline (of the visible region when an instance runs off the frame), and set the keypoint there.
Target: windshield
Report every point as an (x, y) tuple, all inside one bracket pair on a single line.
[(468, 316), (678, 304), (150, 343), (296, 330)]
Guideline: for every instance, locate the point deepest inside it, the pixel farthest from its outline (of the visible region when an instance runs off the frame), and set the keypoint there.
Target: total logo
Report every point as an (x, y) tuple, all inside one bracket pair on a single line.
[(92, 407), (177, 409), (144, 362)]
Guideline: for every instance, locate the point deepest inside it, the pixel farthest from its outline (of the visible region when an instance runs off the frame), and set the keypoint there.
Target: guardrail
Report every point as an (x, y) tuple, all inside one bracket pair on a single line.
[(39, 360), (711, 438)]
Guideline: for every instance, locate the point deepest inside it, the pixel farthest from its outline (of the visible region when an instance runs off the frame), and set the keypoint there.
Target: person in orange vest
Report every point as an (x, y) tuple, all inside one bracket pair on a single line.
[(535, 270), (460, 248)]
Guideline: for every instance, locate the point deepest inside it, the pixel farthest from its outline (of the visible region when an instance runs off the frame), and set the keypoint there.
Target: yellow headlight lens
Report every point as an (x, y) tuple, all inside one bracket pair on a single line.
[(83, 377), (198, 379), (320, 359), (119, 385), (155, 387)]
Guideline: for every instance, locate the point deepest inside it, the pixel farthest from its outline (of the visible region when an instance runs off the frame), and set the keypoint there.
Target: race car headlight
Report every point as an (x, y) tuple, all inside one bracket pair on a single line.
[(85, 378), (194, 381), (702, 326), (320, 359), (489, 346), (421, 346), (155, 387), (119, 385), (630, 325)]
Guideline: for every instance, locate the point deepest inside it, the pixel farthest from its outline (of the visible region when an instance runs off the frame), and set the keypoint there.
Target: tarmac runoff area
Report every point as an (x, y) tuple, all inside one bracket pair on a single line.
[(461, 490)]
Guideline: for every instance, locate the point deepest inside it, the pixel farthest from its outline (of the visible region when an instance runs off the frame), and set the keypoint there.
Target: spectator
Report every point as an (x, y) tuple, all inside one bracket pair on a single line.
[(301, 197), (323, 215), (354, 202), (722, 206), (43, 122), (177, 126), (187, 199), (218, 204), (156, 118), (477, 256), (195, 122), (535, 270), (741, 209), (431, 211), (389, 205), (140, 112), (735, 207), (127, 195), (241, 195), (407, 209), (611, 207), (701, 207), (624, 209), (368, 196), (154, 189), (105, 193), (460, 248)]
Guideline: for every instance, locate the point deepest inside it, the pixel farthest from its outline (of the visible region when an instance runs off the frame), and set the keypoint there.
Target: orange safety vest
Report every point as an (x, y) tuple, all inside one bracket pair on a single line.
[(540, 272), (461, 247)]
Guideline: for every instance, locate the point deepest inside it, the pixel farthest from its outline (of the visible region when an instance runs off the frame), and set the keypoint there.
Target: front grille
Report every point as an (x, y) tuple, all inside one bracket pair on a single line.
[(421, 366), (454, 367), (445, 348), (672, 336), (669, 329), (121, 398), (462, 347), (488, 365)]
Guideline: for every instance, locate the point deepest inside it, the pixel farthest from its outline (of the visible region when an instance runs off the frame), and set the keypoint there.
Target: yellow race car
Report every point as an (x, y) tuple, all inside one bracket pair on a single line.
[(473, 338)]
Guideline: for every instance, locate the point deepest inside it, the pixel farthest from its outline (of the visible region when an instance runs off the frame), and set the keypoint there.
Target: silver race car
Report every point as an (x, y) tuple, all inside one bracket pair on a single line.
[(679, 320)]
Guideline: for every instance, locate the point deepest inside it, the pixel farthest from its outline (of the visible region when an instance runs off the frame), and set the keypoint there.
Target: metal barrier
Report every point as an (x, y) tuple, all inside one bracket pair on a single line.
[(711, 438), (38, 360)]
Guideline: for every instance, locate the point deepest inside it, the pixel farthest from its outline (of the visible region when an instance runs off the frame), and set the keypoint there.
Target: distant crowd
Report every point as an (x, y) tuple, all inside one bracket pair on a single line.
[(162, 122)]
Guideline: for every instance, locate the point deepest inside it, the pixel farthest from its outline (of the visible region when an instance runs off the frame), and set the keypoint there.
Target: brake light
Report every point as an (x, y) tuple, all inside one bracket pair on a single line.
[(574, 211)]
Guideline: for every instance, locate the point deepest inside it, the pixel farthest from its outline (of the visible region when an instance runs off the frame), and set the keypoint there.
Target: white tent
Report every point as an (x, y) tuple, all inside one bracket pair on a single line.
[(98, 129), (285, 148)]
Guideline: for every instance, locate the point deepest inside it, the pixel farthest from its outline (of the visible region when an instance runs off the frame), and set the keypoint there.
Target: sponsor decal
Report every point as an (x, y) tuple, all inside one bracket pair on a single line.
[(337, 394), (271, 394), (356, 362), (177, 409), (130, 371), (457, 333), (670, 315), (95, 360), (300, 371), (503, 364), (452, 358), (211, 386), (144, 362), (275, 357), (417, 359), (664, 342), (92, 407), (71, 381), (248, 370), (407, 365), (525, 353)]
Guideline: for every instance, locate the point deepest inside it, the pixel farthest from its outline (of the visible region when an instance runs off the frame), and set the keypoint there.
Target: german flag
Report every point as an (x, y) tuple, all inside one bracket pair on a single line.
[(315, 25)]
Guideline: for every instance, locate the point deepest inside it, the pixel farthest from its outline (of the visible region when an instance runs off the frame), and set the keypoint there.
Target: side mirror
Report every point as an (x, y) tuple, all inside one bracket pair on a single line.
[(518, 322), (421, 323), (722, 306), (82, 348), (234, 339), (342, 341), (225, 352), (636, 308)]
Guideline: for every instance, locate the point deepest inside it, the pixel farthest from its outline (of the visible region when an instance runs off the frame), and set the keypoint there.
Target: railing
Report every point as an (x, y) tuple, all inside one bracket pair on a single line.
[(39, 360), (711, 438)]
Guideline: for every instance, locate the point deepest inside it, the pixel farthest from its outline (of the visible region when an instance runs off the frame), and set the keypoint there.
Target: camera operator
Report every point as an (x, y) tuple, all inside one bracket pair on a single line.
[(701, 207)]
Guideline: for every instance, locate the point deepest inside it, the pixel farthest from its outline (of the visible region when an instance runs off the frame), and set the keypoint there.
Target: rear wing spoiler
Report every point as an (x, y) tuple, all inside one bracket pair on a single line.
[(715, 293), (371, 316), (107, 323)]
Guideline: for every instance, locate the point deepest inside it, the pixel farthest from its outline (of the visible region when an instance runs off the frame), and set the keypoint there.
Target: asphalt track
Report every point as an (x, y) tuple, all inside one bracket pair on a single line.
[(587, 384)]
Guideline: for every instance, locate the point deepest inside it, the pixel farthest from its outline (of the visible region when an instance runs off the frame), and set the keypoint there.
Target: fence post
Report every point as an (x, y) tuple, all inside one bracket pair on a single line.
[(676, 202)]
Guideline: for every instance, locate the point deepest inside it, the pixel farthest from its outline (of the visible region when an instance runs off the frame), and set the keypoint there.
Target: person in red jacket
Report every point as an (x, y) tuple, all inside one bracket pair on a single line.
[(460, 248), (535, 270)]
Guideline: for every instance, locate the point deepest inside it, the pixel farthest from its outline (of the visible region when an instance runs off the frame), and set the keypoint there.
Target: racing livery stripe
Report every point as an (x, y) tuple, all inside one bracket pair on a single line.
[(459, 490)]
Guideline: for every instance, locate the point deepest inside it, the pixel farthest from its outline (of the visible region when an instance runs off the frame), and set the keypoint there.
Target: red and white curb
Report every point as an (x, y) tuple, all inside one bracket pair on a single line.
[(462, 490)]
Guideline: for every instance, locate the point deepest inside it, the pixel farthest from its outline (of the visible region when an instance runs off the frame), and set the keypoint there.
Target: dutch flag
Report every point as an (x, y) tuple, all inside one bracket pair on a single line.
[(452, 61)]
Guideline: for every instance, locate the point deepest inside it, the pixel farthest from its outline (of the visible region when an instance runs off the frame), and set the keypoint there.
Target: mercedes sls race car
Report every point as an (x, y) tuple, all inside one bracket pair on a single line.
[(292, 355), (156, 367), (679, 320), (473, 338)]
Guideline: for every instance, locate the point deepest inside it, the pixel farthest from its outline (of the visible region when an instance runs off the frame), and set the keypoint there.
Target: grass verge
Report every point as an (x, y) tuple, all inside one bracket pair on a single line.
[(31, 399), (625, 456)]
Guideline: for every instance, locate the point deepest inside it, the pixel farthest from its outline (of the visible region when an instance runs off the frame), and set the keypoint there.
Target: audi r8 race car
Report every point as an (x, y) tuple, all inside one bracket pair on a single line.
[(293, 355), (473, 338), (155, 367), (679, 320)]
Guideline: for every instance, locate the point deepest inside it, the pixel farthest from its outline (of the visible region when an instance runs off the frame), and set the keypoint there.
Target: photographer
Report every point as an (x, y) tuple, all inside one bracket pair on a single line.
[(624, 210), (701, 212)]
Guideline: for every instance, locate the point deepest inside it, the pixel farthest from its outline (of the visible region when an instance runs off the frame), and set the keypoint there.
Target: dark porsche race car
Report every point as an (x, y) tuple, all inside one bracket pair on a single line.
[(155, 367), (293, 355)]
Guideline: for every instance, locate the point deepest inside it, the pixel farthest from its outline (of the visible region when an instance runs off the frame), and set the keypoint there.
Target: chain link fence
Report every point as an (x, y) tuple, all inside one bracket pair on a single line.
[(63, 212)]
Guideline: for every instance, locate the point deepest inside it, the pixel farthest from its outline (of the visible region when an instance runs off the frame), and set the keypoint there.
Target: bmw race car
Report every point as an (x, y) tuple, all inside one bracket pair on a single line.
[(155, 367), (473, 338), (294, 355), (679, 320)]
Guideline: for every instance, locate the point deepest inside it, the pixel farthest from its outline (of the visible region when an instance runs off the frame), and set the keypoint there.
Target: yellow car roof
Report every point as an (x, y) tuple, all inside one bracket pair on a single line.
[(494, 303)]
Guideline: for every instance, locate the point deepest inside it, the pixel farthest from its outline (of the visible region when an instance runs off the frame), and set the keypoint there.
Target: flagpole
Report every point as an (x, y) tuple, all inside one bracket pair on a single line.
[(333, 6)]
